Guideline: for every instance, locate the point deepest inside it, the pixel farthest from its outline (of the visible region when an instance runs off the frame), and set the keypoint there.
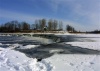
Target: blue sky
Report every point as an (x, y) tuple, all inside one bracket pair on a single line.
[(82, 14)]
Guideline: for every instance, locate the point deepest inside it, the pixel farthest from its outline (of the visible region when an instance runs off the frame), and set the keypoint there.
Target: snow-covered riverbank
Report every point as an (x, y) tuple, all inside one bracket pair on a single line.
[(11, 60), (77, 62)]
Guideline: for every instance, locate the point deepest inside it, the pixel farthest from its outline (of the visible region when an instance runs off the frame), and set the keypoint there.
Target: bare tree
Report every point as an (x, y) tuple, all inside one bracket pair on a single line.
[(40, 24), (60, 25), (26, 26), (43, 24), (50, 24), (36, 24), (55, 25)]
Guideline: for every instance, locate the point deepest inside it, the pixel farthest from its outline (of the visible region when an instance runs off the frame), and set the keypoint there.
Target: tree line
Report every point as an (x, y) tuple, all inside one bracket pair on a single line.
[(39, 25), (71, 29), (95, 31), (14, 26), (50, 25)]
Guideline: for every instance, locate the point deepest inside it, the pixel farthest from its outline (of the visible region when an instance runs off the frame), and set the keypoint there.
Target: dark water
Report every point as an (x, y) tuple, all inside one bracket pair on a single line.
[(75, 38), (44, 51), (47, 50), (26, 41), (18, 40)]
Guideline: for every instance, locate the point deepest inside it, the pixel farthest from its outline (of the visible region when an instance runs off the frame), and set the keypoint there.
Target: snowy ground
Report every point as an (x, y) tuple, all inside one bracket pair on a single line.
[(11, 60), (77, 62)]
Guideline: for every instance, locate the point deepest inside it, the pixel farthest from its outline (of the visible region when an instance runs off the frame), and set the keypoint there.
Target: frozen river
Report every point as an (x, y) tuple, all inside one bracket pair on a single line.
[(46, 47), (60, 52), (26, 40)]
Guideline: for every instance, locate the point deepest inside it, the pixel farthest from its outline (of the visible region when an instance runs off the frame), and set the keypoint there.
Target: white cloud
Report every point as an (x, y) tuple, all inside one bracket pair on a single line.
[(88, 10)]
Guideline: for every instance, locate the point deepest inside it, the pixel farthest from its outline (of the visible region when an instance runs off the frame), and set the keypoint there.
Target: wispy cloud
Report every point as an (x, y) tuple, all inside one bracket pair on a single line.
[(23, 17), (86, 12), (83, 14)]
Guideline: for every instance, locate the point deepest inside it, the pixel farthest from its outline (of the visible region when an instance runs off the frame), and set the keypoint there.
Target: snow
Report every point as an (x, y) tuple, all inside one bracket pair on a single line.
[(88, 35), (91, 37), (75, 62), (11, 60), (28, 46), (78, 62), (89, 45), (19, 46)]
